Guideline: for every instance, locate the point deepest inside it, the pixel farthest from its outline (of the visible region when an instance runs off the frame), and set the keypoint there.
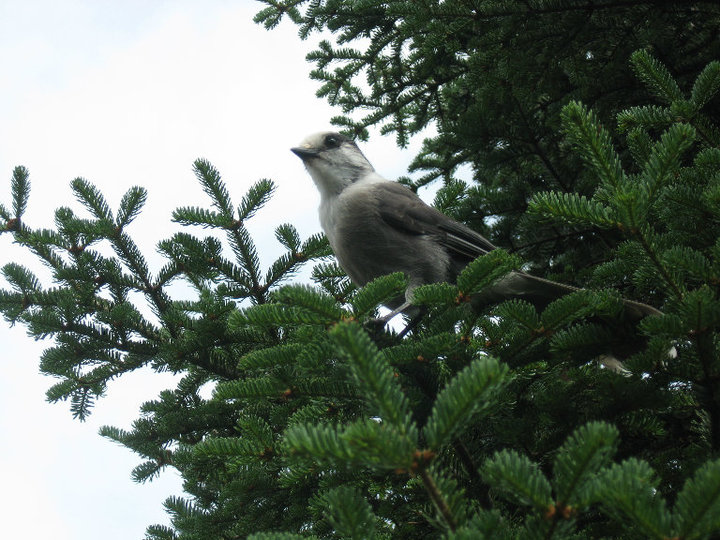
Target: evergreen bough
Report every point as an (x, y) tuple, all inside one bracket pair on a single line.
[(499, 424)]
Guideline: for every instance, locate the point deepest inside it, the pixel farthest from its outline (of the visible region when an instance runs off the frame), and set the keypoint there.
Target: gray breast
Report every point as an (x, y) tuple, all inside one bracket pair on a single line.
[(368, 247)]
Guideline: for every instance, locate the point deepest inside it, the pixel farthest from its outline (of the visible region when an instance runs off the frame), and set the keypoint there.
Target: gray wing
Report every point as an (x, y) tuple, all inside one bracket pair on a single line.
[(402, 209)]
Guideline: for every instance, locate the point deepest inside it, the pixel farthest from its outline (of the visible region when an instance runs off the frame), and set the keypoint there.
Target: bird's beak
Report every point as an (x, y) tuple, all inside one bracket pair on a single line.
[(304, 153)]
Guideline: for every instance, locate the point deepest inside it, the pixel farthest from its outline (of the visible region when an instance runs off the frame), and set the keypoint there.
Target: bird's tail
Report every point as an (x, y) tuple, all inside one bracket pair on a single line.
[(540, 292)]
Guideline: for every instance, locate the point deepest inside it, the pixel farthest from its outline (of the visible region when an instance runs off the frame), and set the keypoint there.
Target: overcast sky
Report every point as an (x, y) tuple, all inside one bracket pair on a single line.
[(131, 93)]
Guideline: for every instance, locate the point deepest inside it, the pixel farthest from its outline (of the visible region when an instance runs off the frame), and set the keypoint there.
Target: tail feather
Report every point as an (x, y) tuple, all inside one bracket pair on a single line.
[(540, 292)]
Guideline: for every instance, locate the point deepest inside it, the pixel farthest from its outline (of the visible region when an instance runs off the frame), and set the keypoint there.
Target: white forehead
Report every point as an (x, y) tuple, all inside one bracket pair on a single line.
[(314, 140), (317, 140)]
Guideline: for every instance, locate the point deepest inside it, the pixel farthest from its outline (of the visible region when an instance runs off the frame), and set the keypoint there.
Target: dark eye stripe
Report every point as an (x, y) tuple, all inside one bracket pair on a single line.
[(332, 141)]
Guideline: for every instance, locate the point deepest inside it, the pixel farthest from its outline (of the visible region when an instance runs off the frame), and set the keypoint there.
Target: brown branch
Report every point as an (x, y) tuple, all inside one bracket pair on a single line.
[(438, 499)]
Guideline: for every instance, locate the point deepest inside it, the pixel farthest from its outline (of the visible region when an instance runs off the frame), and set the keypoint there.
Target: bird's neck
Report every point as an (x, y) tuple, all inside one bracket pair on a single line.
[(332, 188), (333, 201)]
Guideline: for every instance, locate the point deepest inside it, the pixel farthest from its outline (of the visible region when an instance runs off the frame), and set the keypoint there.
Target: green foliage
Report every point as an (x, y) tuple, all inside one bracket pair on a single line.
[(349, 513), (378, 292), (627, 491), (457, 405), (630, 492), (373, 376), (697, 509), (20, 187), (516, 475), (580, 459), (505, 422), (484, 271), (278, 536)]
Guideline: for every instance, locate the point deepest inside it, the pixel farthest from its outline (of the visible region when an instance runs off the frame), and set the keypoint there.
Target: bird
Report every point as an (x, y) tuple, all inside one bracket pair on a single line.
[(377, 226)]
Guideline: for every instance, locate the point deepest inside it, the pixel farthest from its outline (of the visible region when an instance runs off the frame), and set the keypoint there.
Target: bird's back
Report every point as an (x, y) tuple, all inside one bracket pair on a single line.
[(368, 246)]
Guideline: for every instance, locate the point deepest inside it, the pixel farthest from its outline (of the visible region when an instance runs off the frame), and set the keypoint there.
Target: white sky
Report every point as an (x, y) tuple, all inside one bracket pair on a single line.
[(122, 94)]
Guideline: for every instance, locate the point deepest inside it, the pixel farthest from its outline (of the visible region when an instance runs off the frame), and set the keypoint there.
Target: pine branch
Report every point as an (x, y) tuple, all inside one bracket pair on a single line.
[(374, 377), (519, 478), (131, 205), (630, 490), (349, 513), (582, 127), (20, 187), (656, 76), (464, 397), (579, 460), (697, 509), (438, 499)]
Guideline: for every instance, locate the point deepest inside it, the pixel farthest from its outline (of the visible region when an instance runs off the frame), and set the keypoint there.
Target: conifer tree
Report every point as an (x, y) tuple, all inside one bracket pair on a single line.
[(592, 132)]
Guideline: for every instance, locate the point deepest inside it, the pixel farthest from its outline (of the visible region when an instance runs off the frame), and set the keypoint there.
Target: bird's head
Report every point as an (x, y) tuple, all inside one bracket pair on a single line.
[(333, 161)]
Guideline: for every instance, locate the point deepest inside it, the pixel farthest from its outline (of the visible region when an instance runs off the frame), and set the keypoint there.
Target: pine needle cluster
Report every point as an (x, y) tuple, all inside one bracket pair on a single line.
[(502, 423)]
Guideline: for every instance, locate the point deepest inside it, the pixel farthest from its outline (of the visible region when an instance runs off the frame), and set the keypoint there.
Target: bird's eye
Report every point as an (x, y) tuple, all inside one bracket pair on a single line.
[(332, 141)]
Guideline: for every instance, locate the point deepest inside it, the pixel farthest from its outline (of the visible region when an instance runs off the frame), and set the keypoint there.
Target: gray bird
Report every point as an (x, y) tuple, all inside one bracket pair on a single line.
[(376, 227)]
